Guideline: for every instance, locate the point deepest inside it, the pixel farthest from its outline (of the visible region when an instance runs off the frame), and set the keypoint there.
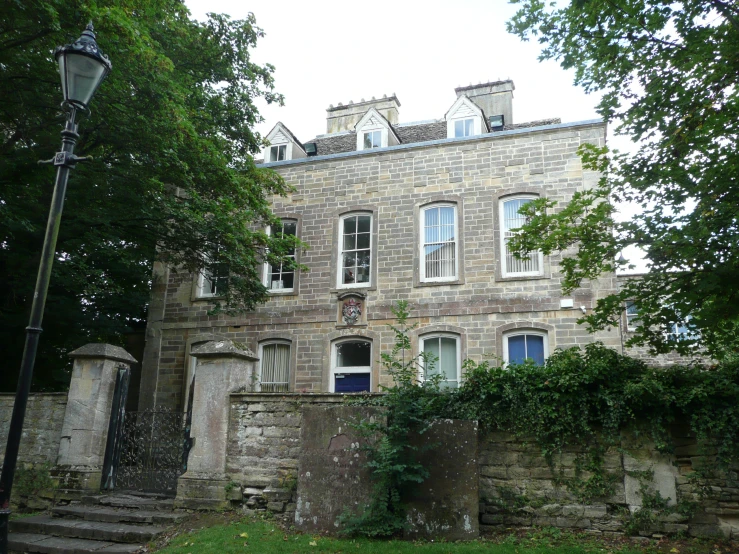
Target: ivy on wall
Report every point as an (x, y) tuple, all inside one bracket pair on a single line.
[(580, 398)]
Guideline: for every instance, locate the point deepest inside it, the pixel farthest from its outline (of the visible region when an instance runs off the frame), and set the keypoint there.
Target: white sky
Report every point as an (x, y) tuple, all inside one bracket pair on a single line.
[(330, 51), (327, 51)]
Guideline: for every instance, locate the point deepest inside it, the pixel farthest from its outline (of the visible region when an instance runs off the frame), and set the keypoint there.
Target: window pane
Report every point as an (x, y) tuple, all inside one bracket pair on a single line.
[(368, 140), (363, 240), (517, 349), (363, 266), (431, 347), (353, 354), (281, 152), (273, 153), (349, 261), (468, 127), (459, 128), (288, 279), (350, 225), (363, 223), (290, 228), (535, 348), (349, 242), (448, 358)]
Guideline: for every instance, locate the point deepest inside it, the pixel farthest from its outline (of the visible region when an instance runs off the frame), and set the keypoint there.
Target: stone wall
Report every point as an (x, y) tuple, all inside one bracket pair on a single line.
[(42, 427), (264, 447), (516, 488)]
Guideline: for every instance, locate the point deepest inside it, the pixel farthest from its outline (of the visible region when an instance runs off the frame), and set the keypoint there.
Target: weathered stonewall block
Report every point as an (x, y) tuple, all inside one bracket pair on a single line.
[(332, 478), (446, 504)]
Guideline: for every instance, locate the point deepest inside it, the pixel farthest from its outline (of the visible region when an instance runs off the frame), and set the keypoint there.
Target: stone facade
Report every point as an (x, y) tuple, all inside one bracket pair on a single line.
[(473, 174)]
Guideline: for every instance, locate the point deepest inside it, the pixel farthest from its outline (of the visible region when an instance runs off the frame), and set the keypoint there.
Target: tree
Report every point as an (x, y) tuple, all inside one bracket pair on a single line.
[(668, 72), (172, 177)]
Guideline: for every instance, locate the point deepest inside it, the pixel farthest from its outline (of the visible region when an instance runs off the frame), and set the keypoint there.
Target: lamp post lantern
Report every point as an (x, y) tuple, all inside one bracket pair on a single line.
[(82, 67)]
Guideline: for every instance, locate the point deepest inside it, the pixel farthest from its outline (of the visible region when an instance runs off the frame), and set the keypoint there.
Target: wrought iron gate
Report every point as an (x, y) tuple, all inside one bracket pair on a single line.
[(152, 451), (146, 451)]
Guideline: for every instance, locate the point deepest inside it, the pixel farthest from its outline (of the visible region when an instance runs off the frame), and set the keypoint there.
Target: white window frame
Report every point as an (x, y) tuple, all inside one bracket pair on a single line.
[(519, 332), (672, 333), (349, 369), (284, 145), (464, 120), (372, 134), (275, 342), (422, 243), (631, 319), (266, 270), (421, 348), (200, 286), (340, 258), (504, 248)]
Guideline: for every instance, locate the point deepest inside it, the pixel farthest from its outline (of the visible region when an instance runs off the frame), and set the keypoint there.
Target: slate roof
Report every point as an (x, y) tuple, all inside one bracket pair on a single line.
[(408, 134)]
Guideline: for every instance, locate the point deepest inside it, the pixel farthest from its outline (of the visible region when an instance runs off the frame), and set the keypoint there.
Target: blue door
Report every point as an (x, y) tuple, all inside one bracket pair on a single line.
[(352, 382)]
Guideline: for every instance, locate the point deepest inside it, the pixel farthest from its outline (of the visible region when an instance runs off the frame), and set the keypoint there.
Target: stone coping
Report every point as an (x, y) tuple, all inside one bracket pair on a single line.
[(296, 396), (106, 351)]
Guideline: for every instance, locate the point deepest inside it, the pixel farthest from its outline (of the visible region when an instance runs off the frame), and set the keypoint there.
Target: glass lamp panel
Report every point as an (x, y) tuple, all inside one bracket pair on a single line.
[(81, 76)]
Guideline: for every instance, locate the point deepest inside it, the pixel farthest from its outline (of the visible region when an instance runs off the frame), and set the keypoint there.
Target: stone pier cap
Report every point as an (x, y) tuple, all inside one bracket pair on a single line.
[(224, 349), (106, 351)]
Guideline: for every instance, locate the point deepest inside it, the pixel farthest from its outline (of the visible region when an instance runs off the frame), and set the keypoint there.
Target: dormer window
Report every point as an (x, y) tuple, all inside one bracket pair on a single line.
[(283, 145), (374, 131), (372, 139), (465, 119), (277, 153), (464, 127)]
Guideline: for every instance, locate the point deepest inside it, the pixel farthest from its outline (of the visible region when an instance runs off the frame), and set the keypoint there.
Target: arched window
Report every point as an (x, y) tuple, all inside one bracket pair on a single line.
[(439, 243), (520, 345), (510, 221), (355, 250), (351, 366), (274, 366), (443, 357), (279, 278)]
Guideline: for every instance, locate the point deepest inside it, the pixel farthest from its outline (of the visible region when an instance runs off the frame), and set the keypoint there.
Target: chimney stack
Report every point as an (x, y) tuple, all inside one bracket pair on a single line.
[(495, 98), (345, 117)]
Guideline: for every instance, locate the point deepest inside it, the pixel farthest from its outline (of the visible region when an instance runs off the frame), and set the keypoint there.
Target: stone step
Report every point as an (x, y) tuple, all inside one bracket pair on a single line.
[(31, 542), (139, 501), (116, 515), (81, 529)]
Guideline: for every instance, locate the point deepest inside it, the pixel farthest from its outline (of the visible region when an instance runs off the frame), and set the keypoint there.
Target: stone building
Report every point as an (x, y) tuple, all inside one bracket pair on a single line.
[(395, 211)]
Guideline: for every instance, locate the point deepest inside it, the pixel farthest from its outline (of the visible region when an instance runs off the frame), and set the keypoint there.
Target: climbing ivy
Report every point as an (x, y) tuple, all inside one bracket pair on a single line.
[(581, 400), (393, 458)]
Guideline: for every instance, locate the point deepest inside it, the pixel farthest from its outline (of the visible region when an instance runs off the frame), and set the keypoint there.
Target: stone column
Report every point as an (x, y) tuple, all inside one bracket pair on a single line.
[(223, 367), (85, 429)]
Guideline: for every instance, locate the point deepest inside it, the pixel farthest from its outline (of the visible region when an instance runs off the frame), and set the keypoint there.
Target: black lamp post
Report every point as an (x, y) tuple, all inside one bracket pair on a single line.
[(82, 67)]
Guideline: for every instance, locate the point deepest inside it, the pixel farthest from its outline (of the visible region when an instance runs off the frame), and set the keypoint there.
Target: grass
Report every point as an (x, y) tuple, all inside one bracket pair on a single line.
[(265, 537)]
